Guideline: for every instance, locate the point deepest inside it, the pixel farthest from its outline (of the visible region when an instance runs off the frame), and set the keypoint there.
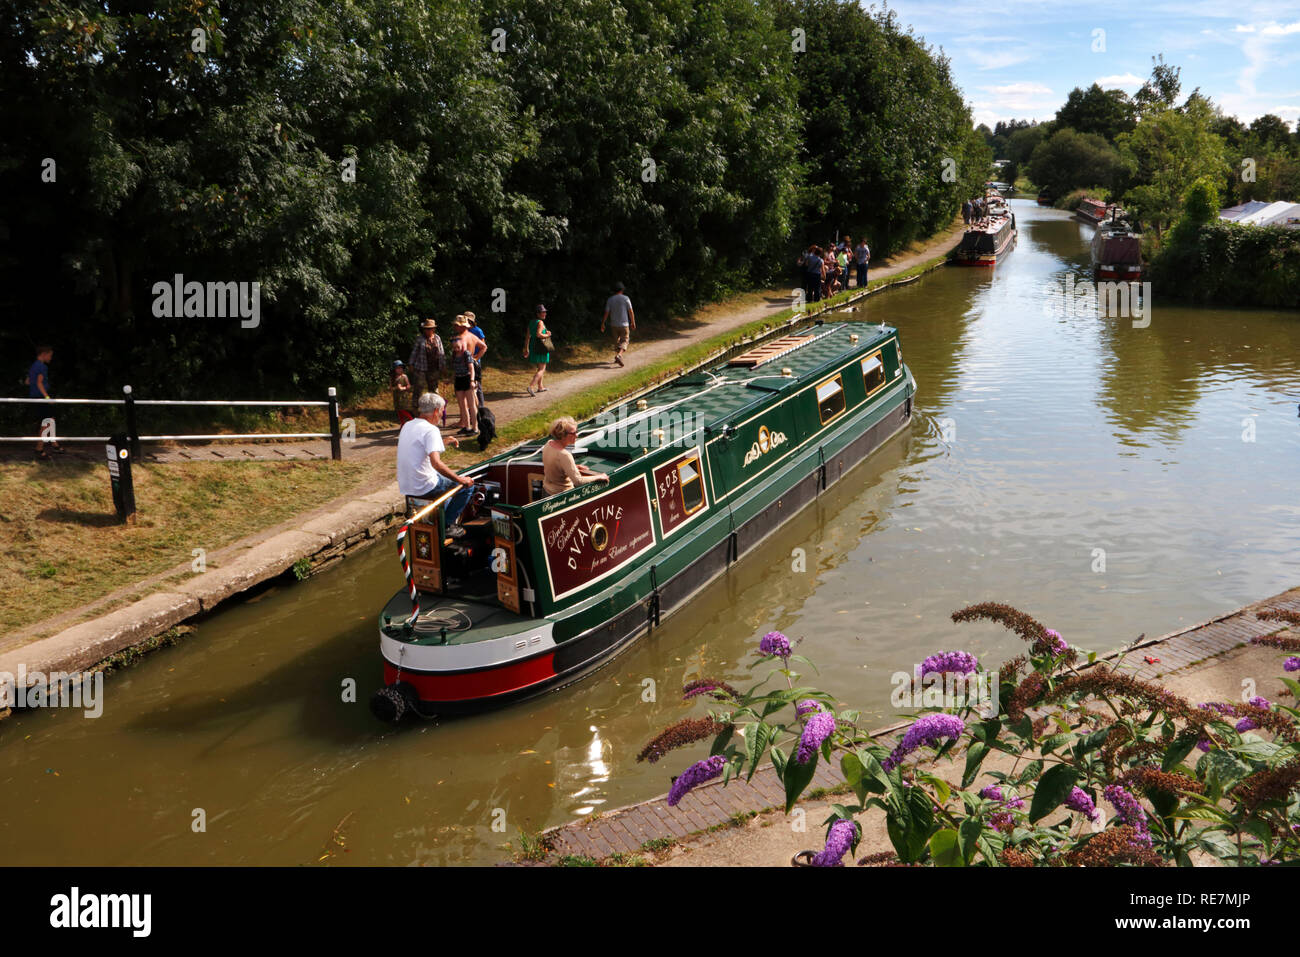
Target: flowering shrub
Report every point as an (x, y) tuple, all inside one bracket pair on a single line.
[(1218, 780)]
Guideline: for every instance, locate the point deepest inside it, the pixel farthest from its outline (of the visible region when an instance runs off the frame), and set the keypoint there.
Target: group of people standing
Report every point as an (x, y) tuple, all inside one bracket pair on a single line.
[(974, 210), (431, 363), (831, 269)]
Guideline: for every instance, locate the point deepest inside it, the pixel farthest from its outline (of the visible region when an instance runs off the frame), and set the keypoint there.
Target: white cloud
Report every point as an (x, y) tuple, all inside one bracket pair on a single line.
[(1018, 89), (995, 59), (1119, 81)]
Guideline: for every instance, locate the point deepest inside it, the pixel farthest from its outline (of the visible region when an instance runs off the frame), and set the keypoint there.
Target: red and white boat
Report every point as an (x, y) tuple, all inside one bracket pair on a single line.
[(1116, 252)]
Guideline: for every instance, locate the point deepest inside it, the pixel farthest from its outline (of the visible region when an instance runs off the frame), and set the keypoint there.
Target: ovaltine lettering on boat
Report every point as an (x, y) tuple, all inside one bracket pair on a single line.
[(592, 538), (766, 442)]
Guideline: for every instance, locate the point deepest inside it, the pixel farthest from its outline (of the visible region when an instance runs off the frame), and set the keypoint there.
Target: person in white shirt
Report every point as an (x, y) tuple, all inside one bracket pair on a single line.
[(421, 472), (621, 319)]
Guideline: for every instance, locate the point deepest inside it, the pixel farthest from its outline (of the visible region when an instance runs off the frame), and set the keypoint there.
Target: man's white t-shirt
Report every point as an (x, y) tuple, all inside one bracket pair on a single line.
[(415, 473)]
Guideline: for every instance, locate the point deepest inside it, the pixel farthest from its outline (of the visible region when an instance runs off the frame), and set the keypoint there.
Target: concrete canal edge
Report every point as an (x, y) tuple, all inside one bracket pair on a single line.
[(650, 826), (321, 541)]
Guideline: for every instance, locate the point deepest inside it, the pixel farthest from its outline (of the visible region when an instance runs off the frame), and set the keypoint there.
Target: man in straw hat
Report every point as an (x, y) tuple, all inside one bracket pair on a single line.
[(427, 361)]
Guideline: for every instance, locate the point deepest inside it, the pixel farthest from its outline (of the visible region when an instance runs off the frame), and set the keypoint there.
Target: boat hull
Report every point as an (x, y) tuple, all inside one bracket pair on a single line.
[(602, 629)]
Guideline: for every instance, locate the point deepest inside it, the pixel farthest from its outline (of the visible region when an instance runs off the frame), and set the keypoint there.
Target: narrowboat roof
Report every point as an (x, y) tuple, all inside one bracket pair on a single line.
[(712, 396)]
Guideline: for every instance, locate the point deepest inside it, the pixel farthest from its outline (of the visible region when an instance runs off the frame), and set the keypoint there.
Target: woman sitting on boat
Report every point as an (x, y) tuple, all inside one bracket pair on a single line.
[(560, 471)]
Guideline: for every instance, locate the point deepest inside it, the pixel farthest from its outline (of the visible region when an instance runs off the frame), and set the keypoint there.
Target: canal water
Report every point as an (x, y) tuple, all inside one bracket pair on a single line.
[(1108, 475)]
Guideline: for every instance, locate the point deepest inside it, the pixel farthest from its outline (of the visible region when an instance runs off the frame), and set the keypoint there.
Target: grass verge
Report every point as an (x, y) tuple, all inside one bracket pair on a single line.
[(61, 545)]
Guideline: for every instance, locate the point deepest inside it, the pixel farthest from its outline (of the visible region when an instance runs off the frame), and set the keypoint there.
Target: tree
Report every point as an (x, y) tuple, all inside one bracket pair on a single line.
[(1167, 151), (1070, 160), (1160, 91), (1094, 110)]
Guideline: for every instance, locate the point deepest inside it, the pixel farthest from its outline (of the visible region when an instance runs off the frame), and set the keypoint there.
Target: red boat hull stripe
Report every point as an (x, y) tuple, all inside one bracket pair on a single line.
[(466, 686)]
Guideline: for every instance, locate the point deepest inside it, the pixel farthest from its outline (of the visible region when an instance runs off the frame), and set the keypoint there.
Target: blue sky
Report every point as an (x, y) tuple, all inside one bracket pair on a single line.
[(1021, 58)]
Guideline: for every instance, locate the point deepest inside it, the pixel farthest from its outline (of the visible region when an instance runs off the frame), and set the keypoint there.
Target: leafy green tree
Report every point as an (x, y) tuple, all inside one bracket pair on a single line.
[(1160, 91), (1167, 151), (1021, 145), (889, 146), (1069, 159), (1094, 110)]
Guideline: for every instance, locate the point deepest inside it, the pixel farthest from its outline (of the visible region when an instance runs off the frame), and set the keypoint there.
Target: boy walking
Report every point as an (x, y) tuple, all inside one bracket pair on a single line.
[(621, 319), (38, 387)]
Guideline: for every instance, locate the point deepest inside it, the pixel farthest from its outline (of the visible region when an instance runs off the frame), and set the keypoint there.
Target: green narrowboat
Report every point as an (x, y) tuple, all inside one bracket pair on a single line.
[(542, 589)]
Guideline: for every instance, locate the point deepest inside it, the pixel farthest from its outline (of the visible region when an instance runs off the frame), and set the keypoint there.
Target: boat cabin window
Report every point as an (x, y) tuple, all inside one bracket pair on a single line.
[(830, 399), (692, 487), (873, 372)]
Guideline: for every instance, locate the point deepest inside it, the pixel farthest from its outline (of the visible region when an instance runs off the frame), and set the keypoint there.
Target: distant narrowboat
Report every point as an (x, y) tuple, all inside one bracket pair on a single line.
[(543, 589), (1116, 252), (1096, 211)]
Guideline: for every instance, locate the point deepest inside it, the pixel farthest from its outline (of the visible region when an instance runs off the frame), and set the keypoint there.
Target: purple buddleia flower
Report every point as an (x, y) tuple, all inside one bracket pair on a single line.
[(960, 662), (1003, 821), (838, 841), (807, 706), (695, 775), (1204, 744), (994, 793), (816, 729), (1219, 708), (775, 643), (1291, 664), (931, 729), (1130, 812), (1249, 724), (1079, 801), (1058, 644)]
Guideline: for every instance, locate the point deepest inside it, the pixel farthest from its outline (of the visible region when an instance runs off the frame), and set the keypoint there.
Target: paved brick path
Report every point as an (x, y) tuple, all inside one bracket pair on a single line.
[(627, 829)]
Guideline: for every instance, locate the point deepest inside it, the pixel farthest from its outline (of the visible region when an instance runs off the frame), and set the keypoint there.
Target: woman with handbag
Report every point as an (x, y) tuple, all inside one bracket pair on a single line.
[(537, 349)]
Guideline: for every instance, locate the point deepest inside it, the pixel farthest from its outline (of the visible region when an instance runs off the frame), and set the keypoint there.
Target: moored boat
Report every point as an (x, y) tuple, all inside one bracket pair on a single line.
[(1116, 252), (1096, 211), (542, 589), (989, 239)]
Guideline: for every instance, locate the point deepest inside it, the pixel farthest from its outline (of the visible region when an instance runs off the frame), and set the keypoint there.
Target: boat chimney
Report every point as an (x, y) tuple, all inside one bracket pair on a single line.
[(787, 372), (853, 337), (640, 405)]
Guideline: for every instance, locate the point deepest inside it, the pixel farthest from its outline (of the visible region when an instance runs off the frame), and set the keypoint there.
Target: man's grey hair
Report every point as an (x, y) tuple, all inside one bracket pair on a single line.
[(431, 402)]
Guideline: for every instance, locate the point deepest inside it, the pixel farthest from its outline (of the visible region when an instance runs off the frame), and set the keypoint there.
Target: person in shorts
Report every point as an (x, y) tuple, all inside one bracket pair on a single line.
[(621, 320)]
